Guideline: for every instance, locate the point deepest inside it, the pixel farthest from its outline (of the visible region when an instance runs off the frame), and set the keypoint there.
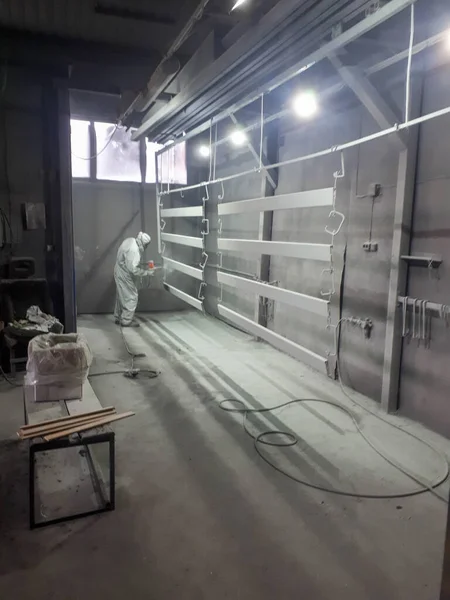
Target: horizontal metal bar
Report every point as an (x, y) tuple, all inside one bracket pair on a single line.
[(184, 240), (432, 306), (187, 269), (183, 296), (278, 341), (317, 306), (311, 199), (186, 211), (289, 249)]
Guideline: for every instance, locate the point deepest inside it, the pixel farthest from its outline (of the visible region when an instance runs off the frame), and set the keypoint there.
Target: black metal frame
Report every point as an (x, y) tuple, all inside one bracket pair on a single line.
[(109, 505)]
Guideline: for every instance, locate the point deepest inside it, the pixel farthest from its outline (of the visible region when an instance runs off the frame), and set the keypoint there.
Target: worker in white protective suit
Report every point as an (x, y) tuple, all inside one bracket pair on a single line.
[(126, 274)]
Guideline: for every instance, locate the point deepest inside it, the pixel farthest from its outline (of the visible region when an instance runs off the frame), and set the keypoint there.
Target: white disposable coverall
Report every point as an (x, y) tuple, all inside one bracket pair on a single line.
[(126, 271)]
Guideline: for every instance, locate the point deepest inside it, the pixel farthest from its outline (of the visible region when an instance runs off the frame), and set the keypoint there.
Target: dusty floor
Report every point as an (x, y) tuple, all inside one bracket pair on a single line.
[(199, 514)]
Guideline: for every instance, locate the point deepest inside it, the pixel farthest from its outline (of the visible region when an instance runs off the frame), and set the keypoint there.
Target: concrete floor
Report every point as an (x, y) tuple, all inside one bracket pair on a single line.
[(199, 514)]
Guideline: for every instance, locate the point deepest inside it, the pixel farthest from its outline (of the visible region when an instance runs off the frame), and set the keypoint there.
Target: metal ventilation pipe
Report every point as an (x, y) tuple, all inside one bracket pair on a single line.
[(167, 68)]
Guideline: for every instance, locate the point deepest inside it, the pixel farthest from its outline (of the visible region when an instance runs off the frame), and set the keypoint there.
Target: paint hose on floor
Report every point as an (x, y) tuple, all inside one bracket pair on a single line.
[(133, 372), (289, 439)]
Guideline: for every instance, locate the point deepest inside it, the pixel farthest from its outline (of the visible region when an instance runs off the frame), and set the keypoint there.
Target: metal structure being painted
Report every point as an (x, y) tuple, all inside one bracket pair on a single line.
[(317, 306), (278, 341), (391, 126), (311, 199), (317, 252)]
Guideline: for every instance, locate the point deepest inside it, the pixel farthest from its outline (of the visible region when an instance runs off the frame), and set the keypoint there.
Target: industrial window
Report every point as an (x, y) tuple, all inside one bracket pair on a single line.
[(118, 156), (172, 167), (79, 139)]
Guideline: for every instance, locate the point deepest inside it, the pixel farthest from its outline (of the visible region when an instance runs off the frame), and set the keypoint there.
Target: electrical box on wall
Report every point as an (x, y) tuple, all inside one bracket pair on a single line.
[(33, 215)]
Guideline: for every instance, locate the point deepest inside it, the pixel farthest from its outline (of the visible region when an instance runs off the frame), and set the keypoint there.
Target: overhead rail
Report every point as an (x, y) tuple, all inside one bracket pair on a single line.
[(326, 152), (318, 306), (195, 302), (321, 252), (310, 199), (183, 240), (278, 341), (186, 211), (183, 268), (175, 108)]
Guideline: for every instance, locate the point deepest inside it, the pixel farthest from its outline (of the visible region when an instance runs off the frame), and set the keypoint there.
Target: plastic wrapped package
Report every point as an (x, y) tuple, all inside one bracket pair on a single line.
[(57, 367)]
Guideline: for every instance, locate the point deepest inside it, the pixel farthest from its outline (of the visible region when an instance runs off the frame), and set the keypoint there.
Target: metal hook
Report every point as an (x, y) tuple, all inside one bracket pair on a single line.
[(335, 213), (219, 259), (163, 248), (222, 195), (200, 291), (206, 230), (162, 225), (341, 173), (332, 289), (219, 227), (206, 197), (205, 258), (182, 193)]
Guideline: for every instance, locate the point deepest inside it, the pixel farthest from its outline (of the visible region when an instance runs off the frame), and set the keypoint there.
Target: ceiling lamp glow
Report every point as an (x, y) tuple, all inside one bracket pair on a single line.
[(305, 104), (238, 137), (204, 151), (238, 3), (448, 39)]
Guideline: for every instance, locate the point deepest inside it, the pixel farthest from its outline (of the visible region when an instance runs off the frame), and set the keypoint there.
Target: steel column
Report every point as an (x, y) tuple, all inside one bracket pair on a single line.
[(404, 203)]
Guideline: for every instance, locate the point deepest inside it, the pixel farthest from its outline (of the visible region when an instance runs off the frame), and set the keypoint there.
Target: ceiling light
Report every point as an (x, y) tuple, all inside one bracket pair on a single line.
[(305, 104), (238, 3), (238, 137), (204, 151), (448, 39)]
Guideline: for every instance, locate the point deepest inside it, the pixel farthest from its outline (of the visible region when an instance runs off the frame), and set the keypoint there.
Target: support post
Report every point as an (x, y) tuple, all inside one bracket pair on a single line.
[(266, 221), (401, 242)]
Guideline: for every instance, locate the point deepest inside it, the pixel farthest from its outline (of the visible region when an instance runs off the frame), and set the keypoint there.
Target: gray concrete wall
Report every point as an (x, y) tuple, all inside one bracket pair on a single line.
[(425, 381), (105, 213)]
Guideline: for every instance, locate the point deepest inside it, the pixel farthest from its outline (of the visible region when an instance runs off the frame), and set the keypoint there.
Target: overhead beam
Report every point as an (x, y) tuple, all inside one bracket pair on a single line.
[(369, 96), (229, 60)]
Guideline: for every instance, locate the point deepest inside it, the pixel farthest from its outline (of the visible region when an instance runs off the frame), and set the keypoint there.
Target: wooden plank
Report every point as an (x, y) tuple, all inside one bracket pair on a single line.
[(62, 420), (91, 425), (44, 430)]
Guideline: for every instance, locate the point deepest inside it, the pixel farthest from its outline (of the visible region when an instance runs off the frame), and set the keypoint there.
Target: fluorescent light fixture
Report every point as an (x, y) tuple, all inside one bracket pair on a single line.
[(238, 137), (204, 151), (238, 3), (305, 104)]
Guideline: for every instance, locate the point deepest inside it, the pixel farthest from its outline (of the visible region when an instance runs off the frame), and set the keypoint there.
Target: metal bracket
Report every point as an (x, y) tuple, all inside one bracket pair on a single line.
[(332, 289), (222, 195), (162, 225), (220, 259), (206, 197), (335, 213), (206, 230), (201, 296), (219, 225), (163, 248), (204, 261)]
